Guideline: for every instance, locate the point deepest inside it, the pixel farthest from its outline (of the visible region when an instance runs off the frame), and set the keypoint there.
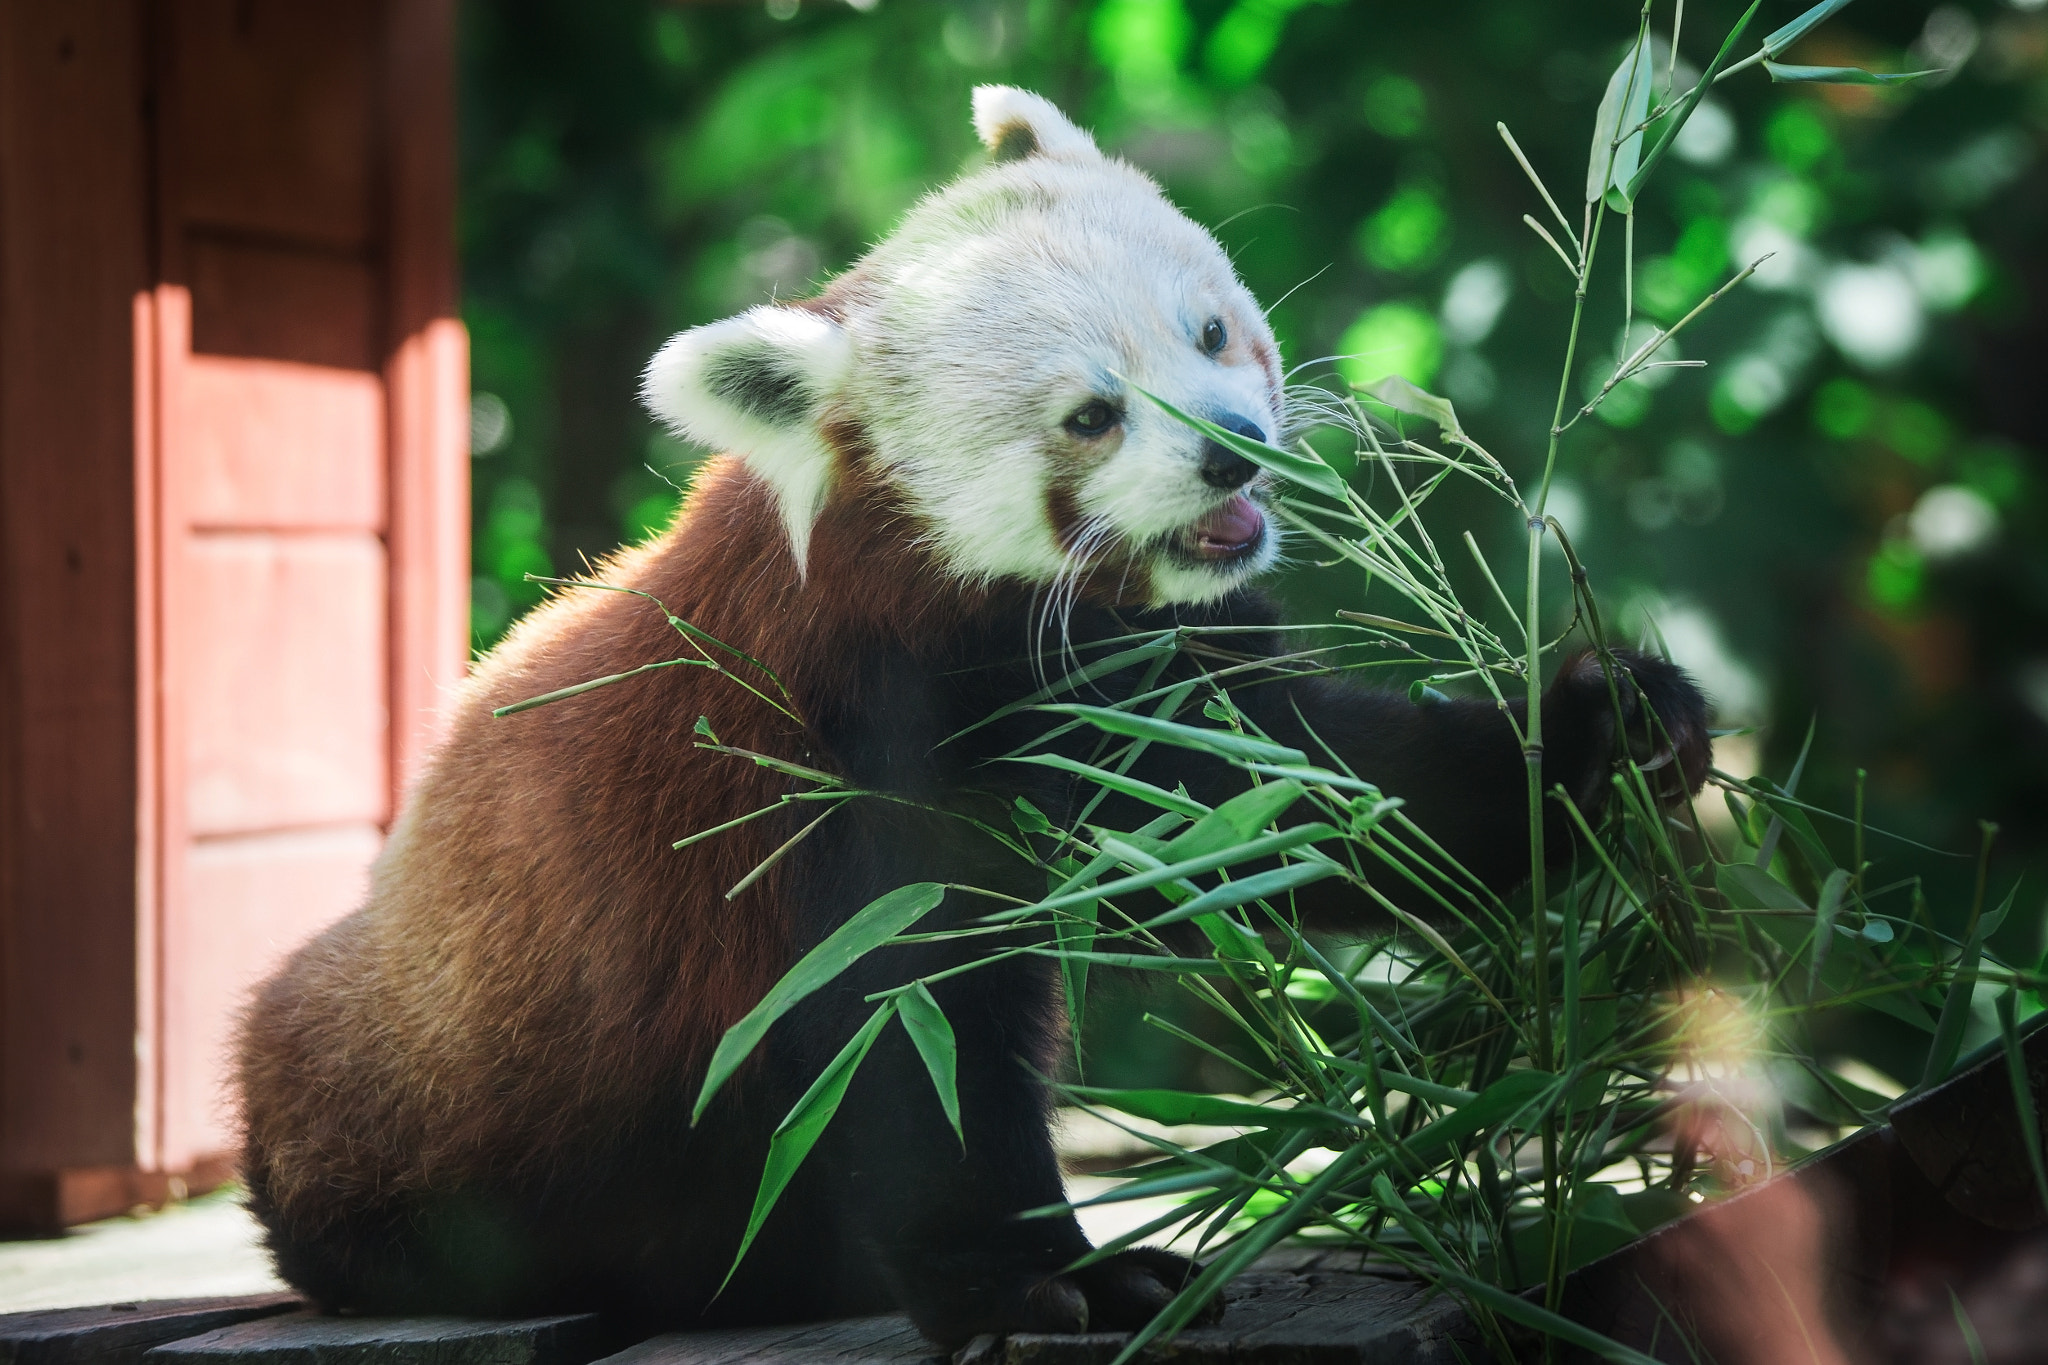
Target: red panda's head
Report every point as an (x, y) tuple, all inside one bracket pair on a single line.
[(989, 351)]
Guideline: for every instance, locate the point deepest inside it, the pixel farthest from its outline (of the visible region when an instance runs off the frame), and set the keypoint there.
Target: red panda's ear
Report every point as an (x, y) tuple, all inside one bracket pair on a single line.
[(754, 385), (1014, 124)]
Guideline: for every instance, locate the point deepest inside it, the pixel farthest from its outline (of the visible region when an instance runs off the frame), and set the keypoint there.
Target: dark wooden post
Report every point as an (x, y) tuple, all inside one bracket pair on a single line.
[(233, 477)]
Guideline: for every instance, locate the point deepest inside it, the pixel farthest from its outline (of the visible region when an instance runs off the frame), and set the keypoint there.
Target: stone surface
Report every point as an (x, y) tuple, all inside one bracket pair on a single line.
[(119, 1334)]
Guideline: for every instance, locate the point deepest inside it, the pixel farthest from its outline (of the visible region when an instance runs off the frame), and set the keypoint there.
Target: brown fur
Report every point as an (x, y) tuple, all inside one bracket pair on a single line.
[(535, 959)]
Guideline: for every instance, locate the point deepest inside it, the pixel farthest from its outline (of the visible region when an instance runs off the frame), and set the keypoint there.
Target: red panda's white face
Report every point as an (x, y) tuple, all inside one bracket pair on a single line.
[(990, 353)]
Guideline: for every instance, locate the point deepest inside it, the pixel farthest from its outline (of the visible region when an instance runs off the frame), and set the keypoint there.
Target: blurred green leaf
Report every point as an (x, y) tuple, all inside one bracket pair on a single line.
[(1402, 396), (1617, 151), (1947, 1044), (1749, 887), (1841, 75)]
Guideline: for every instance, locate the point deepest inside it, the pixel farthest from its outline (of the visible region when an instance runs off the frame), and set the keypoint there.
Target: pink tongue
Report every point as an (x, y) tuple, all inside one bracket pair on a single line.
[(1232, 526)]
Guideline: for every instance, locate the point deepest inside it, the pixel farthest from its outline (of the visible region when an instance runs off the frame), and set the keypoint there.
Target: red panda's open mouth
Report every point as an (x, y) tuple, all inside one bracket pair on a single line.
[(1232, 531)]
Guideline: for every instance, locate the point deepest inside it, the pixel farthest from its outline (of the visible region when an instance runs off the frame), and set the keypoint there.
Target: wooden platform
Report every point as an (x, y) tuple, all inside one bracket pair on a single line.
[(1314, 1309), (1904, 1227)]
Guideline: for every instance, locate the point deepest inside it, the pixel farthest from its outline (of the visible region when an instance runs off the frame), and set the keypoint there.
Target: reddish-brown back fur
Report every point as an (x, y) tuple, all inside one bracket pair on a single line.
[(535, 959)]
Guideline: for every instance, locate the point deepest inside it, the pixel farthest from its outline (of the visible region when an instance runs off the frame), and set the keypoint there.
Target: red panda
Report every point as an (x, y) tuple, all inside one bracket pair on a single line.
[(473, 1095)]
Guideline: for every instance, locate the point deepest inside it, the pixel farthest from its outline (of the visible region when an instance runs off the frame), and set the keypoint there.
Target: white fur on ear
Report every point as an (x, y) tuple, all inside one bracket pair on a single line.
[(754, 385), (1015, 123)]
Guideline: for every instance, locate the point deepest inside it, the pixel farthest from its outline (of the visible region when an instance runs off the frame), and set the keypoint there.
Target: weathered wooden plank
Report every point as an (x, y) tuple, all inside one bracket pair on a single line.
[(1965, 1137), (309, 1338), (119, 1334), (1327, 1309), (849, 1341), (1314, 1316)]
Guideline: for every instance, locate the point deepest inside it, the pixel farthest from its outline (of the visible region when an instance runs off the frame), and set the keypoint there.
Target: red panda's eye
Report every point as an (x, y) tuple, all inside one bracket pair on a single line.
[(1215, 336), (1092, 418)]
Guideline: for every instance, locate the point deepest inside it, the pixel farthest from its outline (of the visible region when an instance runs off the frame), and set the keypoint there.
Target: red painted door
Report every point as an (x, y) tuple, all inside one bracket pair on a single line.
[(297, 531)]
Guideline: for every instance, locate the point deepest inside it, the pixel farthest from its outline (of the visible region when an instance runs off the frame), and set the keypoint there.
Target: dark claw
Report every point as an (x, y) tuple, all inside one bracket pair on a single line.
[(1668, 738)]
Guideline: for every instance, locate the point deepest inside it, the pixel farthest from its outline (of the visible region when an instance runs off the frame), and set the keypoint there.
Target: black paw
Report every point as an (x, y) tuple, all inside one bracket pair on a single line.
[(1127, 1290), (1662, 721), (1120, 1293)]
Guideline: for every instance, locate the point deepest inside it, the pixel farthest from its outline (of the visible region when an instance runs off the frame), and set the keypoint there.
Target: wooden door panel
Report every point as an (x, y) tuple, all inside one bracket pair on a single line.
[(257, 898), (285, 688), (273, 443), (282, 301), (275, 117)]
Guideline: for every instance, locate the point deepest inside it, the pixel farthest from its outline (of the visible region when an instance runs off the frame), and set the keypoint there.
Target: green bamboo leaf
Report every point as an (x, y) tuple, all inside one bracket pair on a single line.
[(1074, 680), (881, 920), (1253, 1244), (2022, 1091), (1222, 743), (1028, 818), (1507, 1097), (1971, 1341), (1622, 107), (1404, 1083), (1402, 396), (1785, 35), (1258, 886), (1142, 962), (1265, 846), (1074, 934), (1824, 925), (578, 689), (1519, 1309), (1749, 887), (1676, 119), (932, 1032), (1118, 782), (1307, 469), (1842, 75), (1242, 817), (1182, 1106), (1955, 1007), (804, 1124)]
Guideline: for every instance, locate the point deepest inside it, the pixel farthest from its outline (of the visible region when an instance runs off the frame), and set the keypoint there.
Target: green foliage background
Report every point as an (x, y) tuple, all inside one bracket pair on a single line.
[(1821, 526)]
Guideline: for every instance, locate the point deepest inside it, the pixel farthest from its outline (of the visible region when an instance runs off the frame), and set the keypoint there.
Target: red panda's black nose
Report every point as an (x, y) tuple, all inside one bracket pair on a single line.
[(1223, 467)]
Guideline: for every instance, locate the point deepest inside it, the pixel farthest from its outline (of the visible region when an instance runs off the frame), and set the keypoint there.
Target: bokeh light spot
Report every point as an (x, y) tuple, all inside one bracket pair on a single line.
[(1394, 338), (1410, 230)]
